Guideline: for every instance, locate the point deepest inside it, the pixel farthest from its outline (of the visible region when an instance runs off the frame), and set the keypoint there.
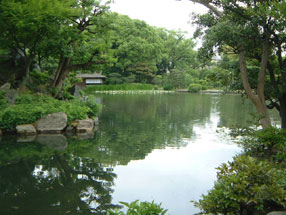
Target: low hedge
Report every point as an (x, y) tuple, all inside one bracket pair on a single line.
[(124, 87)]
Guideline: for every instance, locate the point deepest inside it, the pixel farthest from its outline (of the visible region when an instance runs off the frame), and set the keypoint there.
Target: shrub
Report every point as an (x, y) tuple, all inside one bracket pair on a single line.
[(39, 78), (93, 106), (269, 142), (168, 87), (3, 100), (244, 186), (29, 108), (140, 208), (195, 88)]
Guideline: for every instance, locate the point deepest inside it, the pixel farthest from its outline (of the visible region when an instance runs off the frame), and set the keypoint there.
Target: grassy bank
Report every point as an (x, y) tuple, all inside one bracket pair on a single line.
[(118, 87), (30, 107)]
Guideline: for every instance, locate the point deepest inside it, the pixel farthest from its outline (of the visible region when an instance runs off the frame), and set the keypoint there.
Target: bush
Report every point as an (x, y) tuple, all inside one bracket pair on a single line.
[(195, 88), (269, 142), (168, 87), (140, 208), (3, 100), (29, 108), (244, 186), (39, 78), (93, 106)]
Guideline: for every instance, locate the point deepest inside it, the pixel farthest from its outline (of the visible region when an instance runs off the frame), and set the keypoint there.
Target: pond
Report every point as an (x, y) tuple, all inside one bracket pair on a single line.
[(148, 147)]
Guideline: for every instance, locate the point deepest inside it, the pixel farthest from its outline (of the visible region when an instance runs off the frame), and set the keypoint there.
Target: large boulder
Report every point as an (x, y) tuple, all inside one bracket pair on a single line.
[(26, 129), (85, 136), (52, 124), (53, 141), (86, 125)]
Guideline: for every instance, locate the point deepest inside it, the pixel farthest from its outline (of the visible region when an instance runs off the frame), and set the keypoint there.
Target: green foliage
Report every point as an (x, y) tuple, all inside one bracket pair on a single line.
[(176, 78), (268, 143), (244, 186), (93, 106), (3, 100), (195, 88), (115, 78), (129, 79), (39, 78), (66, 92), (125, 87), (168, 86), (26, 25), (29, 108), (140, 208)]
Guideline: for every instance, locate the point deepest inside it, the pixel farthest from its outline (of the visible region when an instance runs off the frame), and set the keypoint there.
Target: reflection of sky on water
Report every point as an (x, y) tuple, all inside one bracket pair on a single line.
[(175, 176)]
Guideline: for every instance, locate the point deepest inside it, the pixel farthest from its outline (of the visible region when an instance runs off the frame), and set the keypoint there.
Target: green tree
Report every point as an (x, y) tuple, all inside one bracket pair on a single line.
[(83, 41), (137, 47), (254, 30), (25, 24), (178, 52)]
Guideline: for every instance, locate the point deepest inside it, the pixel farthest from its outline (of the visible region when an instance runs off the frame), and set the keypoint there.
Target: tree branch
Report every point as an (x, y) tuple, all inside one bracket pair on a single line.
[(207, 4)]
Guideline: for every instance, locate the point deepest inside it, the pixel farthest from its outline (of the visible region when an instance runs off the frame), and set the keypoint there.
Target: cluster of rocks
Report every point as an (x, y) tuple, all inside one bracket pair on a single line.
[(56, 123)]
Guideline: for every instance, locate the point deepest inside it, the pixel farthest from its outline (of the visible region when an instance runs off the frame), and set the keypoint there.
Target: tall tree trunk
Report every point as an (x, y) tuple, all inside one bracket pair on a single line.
[(282, 110), (257, 99), (26, 77), (62, 72)]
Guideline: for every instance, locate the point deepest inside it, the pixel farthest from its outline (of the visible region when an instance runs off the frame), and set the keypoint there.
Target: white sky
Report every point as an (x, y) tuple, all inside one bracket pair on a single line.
[(169, 14)]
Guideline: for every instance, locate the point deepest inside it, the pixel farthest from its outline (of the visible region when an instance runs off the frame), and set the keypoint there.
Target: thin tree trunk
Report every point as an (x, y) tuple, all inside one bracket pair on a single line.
[(282, 102), (27, 72), (257, 99)]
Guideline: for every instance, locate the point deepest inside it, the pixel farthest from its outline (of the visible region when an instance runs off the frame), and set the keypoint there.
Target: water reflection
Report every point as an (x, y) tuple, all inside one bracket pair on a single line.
[(148, 147), (37, 180)]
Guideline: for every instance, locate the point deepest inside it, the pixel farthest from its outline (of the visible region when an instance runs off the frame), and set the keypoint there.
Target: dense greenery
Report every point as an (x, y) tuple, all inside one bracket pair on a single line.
[(253, 31), (83, 37), (31, 107), (253, 183), (140, 208)]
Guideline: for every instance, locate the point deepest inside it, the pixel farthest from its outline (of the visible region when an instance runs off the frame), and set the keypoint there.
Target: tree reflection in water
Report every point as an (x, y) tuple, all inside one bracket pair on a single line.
[(54, 183)]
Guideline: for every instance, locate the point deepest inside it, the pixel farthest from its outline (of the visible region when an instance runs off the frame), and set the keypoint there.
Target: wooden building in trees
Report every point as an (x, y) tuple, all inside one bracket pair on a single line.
[(91, 79)]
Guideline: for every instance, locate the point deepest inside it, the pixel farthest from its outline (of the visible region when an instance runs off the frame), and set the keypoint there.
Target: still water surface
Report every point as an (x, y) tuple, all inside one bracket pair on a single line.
[(148, 147)]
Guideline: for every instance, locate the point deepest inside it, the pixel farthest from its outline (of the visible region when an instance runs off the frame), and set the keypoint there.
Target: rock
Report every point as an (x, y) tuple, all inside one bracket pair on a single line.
[(52, 124), (277, 213), (5, 86), (54, 141), (26, 129), (85, 125), (85, 136), (26, 139)]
